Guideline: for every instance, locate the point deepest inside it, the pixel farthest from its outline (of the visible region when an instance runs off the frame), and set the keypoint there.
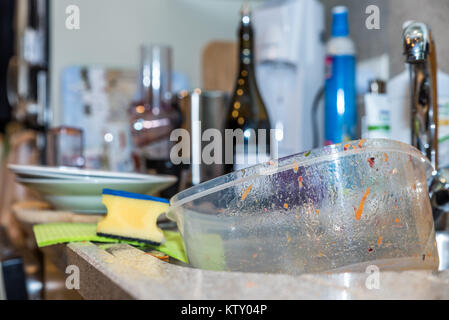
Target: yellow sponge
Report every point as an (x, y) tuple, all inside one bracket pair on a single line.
[(132, 216)]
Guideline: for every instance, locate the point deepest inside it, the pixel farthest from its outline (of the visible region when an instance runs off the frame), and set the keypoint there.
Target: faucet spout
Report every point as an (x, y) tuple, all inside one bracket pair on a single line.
[(419, 52)]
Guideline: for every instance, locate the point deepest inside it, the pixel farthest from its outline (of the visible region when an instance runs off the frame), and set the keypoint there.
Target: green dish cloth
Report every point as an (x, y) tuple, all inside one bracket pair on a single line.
[(56, 233)]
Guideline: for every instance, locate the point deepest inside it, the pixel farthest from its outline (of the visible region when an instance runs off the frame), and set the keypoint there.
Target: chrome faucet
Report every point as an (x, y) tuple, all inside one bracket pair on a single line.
[(420, 55), (419, 51)]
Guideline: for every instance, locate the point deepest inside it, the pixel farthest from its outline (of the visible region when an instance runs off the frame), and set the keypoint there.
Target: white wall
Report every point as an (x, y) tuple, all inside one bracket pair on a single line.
[(112, 30)]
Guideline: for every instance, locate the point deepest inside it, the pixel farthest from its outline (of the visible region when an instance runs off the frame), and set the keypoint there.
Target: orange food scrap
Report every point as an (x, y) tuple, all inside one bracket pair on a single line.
[(396, 220), (160, 257), (361, 143), (300, 181), (288, 238), (359, 211), (354, 147), (295, 166), (346, 147), (250, 284), (385, 157), (286, 205), (320, 254), (414, 186), (245, 194), (317, 211), (379, 240), (255, 255)]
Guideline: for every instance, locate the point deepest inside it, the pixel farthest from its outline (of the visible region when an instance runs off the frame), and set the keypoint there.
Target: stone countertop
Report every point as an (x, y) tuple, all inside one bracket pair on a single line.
[(120, 271)]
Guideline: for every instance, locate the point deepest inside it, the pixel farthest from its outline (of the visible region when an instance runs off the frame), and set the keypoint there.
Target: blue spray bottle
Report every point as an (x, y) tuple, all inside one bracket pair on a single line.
[(340, 110)]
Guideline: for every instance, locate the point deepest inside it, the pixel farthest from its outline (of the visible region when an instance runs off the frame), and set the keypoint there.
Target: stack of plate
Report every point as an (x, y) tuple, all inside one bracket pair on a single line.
[(79, 190)]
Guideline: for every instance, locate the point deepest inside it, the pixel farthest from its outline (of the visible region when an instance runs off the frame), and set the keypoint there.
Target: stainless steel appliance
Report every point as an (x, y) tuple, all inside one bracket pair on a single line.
[(202, 110)]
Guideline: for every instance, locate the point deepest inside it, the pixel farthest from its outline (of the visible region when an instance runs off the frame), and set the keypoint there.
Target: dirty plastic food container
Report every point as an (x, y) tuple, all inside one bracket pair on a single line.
[(339, 208)]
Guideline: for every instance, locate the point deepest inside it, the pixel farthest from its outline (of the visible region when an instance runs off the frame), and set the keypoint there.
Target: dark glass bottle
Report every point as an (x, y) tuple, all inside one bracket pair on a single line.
[(247, 110)]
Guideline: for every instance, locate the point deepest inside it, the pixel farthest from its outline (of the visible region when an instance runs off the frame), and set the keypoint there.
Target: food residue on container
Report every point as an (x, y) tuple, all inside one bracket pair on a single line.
[(295, 166), (286, 205), (385, 157), (371, 161), (379, 240), (250, 284), (361, 143), (317, 211), (359, 211), (288, 238), (414, 186), (245, 194), (300, 181)]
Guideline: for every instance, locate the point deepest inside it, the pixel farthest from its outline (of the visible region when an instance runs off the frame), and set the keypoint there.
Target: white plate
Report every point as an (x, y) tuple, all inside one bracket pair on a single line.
[(25, 171), (78, 204), (84, 196)]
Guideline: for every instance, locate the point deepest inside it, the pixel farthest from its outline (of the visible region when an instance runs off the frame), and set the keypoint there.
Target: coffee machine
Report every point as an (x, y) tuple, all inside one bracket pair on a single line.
[(290, 68)]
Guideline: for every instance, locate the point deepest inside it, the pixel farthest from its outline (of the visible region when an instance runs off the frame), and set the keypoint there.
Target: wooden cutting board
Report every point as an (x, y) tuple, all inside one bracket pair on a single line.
[(219, 66), (36, 212)]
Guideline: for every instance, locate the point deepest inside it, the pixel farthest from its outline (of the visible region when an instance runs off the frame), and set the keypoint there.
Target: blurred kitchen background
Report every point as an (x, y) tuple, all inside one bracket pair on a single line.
[(69, 93), (80, 77)]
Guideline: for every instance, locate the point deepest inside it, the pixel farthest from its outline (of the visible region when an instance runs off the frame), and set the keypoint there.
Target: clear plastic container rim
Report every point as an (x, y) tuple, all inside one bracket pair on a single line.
[(303, 159)]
